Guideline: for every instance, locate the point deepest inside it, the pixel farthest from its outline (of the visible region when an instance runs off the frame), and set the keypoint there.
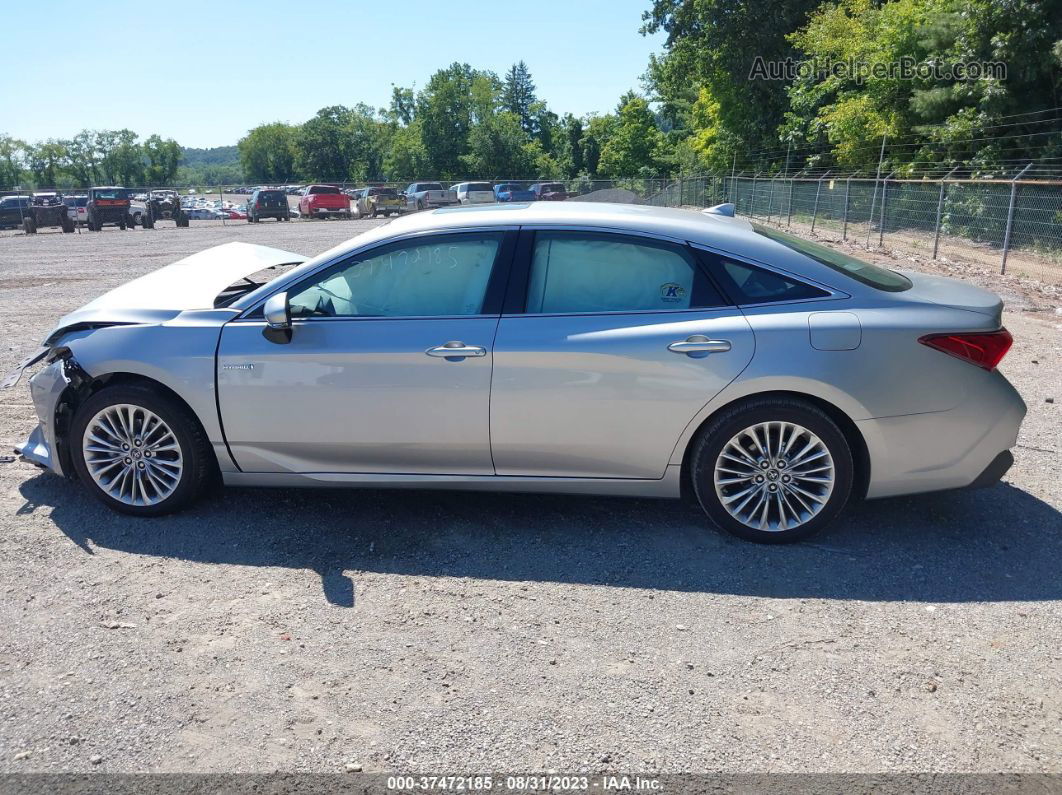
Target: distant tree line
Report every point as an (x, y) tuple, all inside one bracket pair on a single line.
[(464, 121), (702, 109), (92, 157)]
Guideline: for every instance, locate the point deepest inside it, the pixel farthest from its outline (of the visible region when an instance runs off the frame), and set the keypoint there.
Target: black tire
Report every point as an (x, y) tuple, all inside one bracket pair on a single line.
[(121, 224), (29, 226), (723, 427), (199, 465), (68, 226)]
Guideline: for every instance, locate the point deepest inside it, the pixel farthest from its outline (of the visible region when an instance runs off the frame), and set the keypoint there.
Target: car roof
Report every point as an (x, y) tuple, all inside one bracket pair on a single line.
[(722, 233)]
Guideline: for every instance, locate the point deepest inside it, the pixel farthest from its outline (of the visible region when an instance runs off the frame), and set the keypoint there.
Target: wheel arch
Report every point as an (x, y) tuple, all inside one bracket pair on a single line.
[(82, 386), (852, 435)]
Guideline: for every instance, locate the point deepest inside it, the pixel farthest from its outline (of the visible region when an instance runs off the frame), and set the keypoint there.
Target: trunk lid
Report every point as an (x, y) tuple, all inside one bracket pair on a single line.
[(953, 293)]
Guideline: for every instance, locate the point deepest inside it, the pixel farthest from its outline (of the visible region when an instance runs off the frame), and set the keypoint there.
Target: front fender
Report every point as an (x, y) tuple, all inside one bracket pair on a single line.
[(179, 354)]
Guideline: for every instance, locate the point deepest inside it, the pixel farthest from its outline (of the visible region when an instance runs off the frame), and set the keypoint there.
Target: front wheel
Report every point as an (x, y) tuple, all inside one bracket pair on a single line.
[(140, 452), (772, 470)]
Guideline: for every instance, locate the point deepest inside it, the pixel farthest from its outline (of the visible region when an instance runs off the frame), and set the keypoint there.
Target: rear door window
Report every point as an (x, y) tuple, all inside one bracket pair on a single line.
[(575, 272)]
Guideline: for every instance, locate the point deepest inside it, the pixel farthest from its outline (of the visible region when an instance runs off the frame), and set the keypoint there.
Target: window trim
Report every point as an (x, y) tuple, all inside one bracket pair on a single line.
[(497, 282), (515, 304), (700, 250)]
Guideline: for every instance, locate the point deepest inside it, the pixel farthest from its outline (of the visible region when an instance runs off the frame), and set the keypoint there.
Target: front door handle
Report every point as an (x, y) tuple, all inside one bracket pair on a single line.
[(699, 346), (456, 350)]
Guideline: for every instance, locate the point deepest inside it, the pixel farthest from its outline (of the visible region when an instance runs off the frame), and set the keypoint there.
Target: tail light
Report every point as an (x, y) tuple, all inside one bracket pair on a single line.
[(986, 350)]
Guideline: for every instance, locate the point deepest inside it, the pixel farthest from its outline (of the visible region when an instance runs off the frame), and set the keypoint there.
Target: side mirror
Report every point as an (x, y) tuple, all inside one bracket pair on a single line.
[(277, 314)]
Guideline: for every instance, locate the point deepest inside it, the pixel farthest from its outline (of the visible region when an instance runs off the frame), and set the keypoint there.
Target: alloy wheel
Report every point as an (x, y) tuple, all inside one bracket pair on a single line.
[(774, 476), (132, 454)]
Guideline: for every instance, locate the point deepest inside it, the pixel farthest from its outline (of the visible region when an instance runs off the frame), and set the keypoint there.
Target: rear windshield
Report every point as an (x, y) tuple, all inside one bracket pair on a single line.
[(382, 192), (429, 186), (552, 187), (113, 193), (480, 186), (871, 275), (272, 195), (324, 189)]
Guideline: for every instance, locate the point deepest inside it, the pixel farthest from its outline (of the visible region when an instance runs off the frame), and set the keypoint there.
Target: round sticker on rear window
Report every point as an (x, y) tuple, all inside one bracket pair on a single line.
[(672, 293)]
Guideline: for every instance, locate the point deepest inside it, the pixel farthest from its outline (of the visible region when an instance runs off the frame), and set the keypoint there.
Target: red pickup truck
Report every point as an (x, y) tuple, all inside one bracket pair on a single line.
[(321, 201)]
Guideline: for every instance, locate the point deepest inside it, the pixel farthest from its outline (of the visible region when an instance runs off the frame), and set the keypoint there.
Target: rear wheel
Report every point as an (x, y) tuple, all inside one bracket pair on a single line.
[(29, 226), (772, 470), (140, 452)]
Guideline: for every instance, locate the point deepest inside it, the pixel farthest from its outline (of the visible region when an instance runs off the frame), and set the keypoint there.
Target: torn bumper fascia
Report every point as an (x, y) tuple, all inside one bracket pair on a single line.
[(46, 387)]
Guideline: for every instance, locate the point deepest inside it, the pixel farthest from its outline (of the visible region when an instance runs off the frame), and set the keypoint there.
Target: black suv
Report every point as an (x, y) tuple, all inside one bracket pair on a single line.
[(268, 204), (12, 210)]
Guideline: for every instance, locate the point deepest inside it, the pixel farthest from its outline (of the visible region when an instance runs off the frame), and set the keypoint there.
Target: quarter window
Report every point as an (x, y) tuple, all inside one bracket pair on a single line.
[(442, 276), (748, 284), (575, 272)]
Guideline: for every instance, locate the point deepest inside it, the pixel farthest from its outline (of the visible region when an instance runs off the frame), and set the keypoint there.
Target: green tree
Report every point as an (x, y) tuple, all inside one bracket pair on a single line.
[(162, 157), (633, 146), (406, 159), (712, 45), (45, 161), (12, 160), (267, 153), (498, 147), (445, 110), (322, 145), (518, 96)]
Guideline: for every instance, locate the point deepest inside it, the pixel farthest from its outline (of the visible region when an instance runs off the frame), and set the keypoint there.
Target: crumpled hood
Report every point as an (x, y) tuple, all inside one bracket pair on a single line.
[(190, 283)]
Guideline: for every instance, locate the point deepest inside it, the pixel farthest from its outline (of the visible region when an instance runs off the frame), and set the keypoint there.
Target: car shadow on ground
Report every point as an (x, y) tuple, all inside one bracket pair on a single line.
[(995, 544)]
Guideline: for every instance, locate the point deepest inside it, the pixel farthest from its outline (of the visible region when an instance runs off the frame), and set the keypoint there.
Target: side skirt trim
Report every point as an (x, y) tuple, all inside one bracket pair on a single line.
[(665, 487)]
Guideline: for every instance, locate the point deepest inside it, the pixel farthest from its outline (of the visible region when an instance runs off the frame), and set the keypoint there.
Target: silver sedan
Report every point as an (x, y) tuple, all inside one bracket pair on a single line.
[(550, 347)]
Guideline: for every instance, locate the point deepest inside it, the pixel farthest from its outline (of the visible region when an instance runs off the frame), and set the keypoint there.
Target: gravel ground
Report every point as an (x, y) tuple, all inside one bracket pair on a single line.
[(302, 630)]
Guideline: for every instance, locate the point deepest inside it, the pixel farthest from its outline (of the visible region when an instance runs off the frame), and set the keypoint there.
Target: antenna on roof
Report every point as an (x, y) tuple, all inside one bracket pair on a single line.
[(727, 209)]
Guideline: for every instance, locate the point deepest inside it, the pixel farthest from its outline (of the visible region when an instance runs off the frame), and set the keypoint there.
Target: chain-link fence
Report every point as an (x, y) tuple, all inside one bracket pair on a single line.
[(1013, 225)]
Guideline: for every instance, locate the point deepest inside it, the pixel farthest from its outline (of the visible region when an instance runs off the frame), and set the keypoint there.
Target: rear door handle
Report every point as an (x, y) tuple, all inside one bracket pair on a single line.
[(456, 350), (699, 346)]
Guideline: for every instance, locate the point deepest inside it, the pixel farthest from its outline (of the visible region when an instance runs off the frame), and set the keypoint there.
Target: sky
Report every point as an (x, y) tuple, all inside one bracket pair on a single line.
[(208, 73)]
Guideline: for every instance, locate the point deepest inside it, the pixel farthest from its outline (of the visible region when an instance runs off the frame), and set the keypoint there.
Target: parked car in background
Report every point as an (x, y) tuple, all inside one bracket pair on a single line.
[(13, 210), (636, 351), (77, 208), (549, 191), (268, 204), (513, 192), (202, 214), (474, 192), (376, 201), (425, 195), (324, 201)]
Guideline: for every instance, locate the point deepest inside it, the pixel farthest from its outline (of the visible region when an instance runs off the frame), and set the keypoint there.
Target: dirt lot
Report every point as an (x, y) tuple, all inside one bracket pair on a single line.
[(302, 630)]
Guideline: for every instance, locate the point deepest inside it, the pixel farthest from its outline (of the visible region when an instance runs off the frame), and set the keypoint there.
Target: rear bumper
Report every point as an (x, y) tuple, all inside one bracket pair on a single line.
[(966, 446)]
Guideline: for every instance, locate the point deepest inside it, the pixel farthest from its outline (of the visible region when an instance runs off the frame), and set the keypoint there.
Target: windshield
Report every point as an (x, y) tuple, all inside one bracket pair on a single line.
[(324, 189), (871, 275), (382, 192), (479, 186)]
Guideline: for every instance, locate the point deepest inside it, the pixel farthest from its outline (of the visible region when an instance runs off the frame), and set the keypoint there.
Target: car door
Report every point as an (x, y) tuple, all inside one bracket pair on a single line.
[(608, 347), (387, 369)]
